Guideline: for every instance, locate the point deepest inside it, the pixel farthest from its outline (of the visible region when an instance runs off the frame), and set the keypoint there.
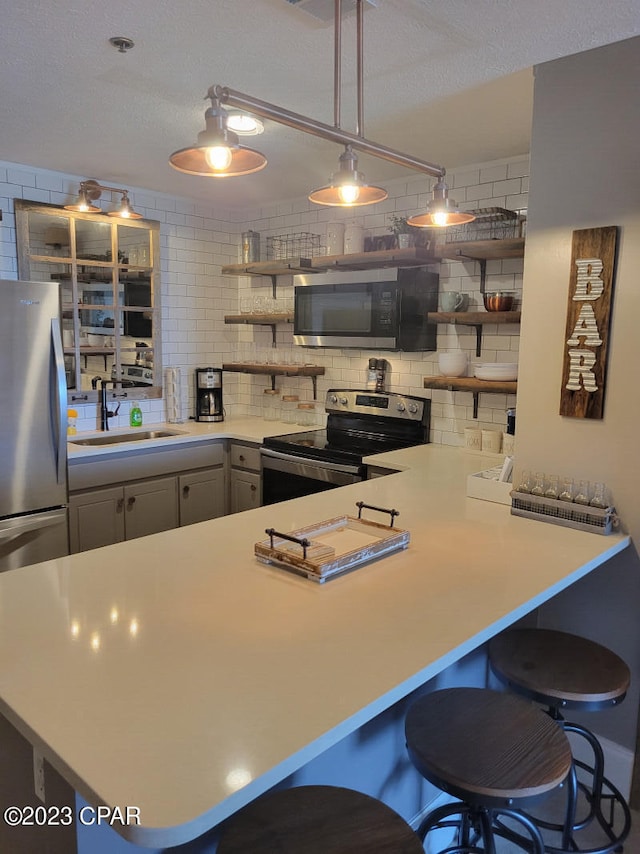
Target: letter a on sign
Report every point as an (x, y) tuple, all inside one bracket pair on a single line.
[(593, 257)]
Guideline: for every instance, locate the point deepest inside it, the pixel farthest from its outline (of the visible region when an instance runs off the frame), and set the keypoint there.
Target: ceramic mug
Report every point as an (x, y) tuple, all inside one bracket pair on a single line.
[(492, 441), (453, 301), (472, 439)]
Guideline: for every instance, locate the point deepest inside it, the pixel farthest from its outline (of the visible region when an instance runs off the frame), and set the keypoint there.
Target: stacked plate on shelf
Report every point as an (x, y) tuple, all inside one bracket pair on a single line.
[(496, 371)]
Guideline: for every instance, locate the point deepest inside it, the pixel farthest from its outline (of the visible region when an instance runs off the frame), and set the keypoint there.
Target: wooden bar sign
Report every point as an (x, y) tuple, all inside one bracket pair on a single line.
[(593, 259)]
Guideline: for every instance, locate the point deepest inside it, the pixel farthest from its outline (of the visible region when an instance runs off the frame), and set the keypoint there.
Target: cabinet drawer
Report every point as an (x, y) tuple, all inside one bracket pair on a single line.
[(245, 456)]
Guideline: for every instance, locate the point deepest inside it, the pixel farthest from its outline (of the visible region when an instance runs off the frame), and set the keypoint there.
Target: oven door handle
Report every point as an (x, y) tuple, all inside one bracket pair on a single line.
[(321, 464)]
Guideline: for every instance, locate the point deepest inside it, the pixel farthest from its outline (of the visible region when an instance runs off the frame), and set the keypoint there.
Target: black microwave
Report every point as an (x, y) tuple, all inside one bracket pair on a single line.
[(372, 310)]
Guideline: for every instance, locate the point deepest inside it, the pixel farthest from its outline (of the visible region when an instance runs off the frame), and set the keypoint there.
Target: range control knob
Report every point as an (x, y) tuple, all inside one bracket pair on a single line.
[(413, 408), (344, 401), (400, 407), (333, 398)]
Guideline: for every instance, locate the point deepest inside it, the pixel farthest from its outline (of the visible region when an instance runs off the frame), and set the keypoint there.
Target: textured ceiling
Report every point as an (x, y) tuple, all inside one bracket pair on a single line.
[(449, 82)]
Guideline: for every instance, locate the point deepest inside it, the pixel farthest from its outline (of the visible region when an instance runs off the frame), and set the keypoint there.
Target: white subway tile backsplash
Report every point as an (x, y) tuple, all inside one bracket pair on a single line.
[(196, 240), (489, 174)]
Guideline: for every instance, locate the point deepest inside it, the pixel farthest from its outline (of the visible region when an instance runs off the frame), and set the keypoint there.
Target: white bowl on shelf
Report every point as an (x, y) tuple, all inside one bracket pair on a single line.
[(453, 364), (496, 371)]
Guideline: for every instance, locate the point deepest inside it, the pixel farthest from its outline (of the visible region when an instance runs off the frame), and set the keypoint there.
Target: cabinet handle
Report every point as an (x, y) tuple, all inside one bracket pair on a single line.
[(131, 501), (120, 504), (253, 487), (241, 457), (185, 491)]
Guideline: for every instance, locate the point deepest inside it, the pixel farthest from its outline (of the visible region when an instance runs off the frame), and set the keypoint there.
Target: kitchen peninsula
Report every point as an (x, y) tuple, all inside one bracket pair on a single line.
[(176, 674)]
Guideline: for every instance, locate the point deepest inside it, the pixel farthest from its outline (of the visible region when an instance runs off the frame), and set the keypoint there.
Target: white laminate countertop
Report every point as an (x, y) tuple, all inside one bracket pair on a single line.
[(176, 673)]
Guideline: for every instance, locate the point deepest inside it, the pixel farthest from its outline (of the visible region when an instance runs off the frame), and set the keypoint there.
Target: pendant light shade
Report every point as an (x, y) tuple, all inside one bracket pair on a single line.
[(348, 188), (217, 152), (441, 210), (124, 209), (87, 194)]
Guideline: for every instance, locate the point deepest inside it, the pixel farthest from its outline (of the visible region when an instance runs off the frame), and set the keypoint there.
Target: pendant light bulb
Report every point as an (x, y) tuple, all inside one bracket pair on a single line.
[(349, 193), (440, 218), (218, 157), (348, 187)]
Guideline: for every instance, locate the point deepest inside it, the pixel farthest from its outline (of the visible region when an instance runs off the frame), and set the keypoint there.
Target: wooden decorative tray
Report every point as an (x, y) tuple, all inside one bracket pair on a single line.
[(330, 548)]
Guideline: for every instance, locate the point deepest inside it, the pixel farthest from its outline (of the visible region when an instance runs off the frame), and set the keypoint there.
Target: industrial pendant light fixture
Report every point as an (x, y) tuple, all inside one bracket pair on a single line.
[(347, 187), (441, 210), (217, 153), (91, 190)]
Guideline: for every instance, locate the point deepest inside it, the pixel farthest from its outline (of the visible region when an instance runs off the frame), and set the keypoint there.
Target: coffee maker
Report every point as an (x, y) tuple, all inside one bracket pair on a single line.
[(209, 394)]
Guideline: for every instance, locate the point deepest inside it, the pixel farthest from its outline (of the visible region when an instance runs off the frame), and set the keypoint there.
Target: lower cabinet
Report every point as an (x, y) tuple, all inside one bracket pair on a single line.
[(202, 495), (133, 495), (245, 481), (101, 517), (96, 518)]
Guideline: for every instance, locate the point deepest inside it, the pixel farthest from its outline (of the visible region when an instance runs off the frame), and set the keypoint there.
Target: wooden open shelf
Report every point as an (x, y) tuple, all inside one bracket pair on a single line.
[(274, 370), (477, 319), (481, 250), (473, 318), (259, 319), (313, 371), (286, 266), (413, 257), (473, 385)]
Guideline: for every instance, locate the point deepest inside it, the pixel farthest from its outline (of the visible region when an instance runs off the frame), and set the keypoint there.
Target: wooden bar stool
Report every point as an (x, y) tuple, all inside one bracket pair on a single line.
[(496, 753), (567, 672), (318, 820)]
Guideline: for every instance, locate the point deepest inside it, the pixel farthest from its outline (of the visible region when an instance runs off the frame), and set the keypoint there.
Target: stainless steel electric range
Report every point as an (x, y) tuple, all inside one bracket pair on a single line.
[(359, 423)]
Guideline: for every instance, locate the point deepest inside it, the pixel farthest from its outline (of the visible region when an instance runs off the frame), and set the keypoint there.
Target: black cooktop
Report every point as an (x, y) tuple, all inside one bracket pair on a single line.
[(347, 448)]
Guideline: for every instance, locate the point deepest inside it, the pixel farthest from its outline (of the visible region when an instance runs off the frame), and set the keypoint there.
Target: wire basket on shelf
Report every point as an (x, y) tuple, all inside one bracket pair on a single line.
[(489, 224), (303, 244)]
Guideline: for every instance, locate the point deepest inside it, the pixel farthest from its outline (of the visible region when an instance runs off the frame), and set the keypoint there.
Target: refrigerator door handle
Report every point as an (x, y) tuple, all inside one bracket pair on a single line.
[(60, 397), (13, 527)]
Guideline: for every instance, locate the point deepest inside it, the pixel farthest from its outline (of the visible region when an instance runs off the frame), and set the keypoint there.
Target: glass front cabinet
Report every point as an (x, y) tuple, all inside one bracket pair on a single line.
[(108, 270)]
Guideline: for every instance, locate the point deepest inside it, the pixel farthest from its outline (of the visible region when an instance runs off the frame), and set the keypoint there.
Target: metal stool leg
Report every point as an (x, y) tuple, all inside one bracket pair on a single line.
[(598, 791), (488, 824)]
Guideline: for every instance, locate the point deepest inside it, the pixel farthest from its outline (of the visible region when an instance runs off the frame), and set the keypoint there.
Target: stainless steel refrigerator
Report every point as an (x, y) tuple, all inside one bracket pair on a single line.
[(33, 425)]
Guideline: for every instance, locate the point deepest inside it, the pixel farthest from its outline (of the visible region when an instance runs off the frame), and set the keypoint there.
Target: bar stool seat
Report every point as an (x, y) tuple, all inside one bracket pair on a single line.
[(567, 672), (493, 751), (318, 820), (559, 669)]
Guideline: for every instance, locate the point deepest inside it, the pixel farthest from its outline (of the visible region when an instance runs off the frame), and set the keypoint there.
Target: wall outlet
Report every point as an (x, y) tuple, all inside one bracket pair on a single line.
[(38, 775)]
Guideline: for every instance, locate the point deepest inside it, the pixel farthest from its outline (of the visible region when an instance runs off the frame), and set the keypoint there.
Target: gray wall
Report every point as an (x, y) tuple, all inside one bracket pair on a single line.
[(585, 172)]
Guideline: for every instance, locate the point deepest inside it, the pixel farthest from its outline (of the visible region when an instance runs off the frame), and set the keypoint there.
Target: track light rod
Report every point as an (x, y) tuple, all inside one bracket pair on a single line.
[(360, 77), (265, 110)]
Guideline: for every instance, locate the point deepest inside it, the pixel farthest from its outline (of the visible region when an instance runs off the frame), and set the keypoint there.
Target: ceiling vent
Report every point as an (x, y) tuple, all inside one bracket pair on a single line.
[(323, 10)]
